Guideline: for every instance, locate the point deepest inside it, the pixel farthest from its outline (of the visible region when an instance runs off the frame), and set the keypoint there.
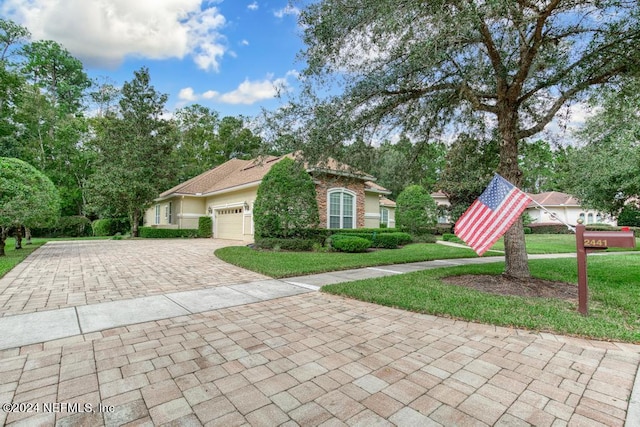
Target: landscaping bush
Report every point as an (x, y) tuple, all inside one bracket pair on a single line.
[(286, 201), (345, 243), (291, 244), (205, 226), (629, 216), (166, 233), (447, 237), (527, 230), (110, 226), (547, 228), (102, 227), (386, 241), (66, 226), (416, 211), (424, 238)]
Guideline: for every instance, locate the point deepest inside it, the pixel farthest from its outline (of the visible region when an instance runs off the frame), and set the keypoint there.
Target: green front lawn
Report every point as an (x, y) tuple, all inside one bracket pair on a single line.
[(287, 264), (13, 257), (555, 244), (614, 292)]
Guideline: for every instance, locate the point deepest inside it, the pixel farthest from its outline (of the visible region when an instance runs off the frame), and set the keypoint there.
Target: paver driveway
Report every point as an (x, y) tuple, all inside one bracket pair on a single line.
[(315, 359), (68, 274)]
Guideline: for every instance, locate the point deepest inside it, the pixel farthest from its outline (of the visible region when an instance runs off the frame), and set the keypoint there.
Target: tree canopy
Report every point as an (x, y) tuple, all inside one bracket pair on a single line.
[(27, 197), (605, 169), (133, 152), (505, 67)]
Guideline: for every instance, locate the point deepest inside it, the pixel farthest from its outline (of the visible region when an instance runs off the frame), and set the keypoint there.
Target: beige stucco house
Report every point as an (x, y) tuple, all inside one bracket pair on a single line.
[(347, 198), (562, 207), (558, 208)]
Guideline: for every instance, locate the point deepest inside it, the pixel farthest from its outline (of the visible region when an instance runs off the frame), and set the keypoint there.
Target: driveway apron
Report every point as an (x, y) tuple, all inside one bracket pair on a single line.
[(285, 355)]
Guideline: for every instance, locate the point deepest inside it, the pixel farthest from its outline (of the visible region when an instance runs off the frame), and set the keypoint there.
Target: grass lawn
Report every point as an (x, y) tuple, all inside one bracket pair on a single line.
[(14, 257), (614, 287), (287, 264), (555, 244)]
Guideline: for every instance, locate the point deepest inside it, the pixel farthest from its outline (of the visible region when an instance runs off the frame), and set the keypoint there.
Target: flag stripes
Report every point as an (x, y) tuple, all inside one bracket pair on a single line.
[(491, 215)]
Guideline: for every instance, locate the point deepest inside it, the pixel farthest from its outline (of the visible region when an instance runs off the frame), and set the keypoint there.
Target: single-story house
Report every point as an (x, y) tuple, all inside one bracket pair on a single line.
[(563, 207), (560, 207), (347, 198)]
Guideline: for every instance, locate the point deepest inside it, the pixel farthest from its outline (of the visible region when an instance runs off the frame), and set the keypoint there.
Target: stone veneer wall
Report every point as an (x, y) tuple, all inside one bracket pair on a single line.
[(327, 182)]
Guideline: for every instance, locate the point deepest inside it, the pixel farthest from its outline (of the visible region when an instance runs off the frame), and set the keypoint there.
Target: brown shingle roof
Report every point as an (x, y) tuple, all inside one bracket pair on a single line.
[(236, 172)]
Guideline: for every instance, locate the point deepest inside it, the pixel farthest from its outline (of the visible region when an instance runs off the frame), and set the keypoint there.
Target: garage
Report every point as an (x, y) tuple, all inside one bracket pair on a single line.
[(228, 223)]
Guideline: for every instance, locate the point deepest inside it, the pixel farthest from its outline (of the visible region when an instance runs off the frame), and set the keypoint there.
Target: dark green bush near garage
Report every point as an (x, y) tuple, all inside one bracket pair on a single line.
[(166, 233), (205, 226)]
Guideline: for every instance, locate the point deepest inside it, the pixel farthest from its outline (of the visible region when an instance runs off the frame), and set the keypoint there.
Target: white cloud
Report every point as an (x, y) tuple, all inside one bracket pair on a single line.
[(247, 93), (187, 94), (104, 32), (287, 10), (253, 6), (244, 42)]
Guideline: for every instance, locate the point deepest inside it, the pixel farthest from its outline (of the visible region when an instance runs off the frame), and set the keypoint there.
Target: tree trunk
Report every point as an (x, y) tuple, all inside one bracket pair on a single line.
[(18, 236), (134, 223), (516, 260), (3, 237), (27, 235)]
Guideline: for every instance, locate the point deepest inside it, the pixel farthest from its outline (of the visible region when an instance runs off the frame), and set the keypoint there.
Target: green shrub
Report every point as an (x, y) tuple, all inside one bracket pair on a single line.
[(547, 228), (629, 216), (527, 230), (166, 233), (345, 243), (386, 241), (416, 211), (102, 227), (447, 237), (292, 244), (286, 201), (66, 226), (424, 238), (205, 226)]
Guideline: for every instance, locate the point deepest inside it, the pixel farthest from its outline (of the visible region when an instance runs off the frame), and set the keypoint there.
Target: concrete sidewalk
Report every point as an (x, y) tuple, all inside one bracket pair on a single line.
[(257, 351)]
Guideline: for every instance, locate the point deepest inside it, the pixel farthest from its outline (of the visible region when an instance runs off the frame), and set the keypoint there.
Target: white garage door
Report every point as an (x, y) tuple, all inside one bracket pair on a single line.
[(229, 223)]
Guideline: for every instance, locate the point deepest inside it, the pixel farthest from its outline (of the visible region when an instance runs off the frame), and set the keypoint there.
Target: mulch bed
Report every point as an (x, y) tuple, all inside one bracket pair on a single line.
[(502, 285)]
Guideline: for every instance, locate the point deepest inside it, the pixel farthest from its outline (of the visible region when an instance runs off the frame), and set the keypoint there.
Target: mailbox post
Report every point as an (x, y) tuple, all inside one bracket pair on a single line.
[(590, 241)]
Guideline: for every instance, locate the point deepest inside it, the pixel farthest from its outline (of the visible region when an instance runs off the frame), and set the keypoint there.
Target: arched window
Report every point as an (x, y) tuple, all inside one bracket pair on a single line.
[(341, 208), (590, 218), (581, 217)]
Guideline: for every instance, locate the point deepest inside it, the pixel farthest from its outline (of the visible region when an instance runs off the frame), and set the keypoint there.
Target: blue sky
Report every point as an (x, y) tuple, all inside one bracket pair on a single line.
[(228, 55)]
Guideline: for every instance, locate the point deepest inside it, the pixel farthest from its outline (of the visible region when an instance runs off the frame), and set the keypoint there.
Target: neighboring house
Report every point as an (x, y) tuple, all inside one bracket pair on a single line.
[(563, 207), (347, 198), (560, 207)]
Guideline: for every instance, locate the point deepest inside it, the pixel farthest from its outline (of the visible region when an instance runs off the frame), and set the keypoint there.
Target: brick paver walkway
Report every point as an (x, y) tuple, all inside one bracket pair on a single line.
[(313, 359), (68, 274)]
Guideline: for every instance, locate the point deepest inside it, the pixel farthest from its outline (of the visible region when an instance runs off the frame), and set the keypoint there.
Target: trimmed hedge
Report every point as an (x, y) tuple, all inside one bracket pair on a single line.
[(352, 244), (546, 228), (205, 226), (166, 233), (291, 244), (66, 226)]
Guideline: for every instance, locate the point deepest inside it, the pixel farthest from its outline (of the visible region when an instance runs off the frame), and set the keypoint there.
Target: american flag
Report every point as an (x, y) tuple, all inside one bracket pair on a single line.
[(491, 215)]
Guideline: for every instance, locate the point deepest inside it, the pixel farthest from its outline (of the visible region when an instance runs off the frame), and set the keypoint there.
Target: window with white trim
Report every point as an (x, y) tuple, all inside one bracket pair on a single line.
[(384, 216), (341, 207), (157, 214), (168, 213)]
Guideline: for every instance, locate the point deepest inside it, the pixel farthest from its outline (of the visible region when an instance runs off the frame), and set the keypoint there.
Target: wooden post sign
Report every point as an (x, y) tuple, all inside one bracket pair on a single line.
[(590, 241)]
